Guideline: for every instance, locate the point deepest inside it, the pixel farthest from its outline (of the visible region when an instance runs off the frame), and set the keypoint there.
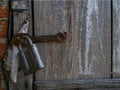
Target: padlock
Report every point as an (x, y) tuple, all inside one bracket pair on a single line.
[(29, 57)]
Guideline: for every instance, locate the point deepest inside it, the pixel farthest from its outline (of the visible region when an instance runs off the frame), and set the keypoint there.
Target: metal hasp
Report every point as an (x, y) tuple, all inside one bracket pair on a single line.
[(18, 5), (59, 37), (30, 59)]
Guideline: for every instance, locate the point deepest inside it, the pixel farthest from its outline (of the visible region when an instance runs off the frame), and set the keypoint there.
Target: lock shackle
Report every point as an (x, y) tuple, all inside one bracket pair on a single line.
[(28, 38)]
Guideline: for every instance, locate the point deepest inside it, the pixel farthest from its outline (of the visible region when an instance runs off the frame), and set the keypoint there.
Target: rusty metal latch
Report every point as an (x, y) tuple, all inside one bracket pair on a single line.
[(59, 37)]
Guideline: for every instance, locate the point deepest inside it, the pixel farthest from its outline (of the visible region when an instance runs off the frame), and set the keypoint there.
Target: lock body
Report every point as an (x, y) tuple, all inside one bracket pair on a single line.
[(30, 59), (34, 59)]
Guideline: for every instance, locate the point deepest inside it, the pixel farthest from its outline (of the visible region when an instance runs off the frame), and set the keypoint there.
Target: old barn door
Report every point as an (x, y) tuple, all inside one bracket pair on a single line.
[(87, 51), (90, 55)]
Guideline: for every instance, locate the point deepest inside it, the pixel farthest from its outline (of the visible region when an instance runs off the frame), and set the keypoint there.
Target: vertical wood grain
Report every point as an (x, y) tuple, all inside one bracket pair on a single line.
[(18, 20), (116, 38), (87, 51)]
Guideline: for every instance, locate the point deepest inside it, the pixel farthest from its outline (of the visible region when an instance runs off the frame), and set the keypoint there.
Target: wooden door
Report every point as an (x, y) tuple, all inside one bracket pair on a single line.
[(90, 52), (86, 54)]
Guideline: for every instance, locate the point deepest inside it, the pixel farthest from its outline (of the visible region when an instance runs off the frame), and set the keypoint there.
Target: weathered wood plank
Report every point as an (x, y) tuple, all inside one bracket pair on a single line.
[(96, 84), (87, 51), (116, 38), (18, 20)]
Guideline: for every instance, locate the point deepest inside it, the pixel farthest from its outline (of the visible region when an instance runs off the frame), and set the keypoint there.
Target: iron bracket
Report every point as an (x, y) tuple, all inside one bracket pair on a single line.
[(18, 5)]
